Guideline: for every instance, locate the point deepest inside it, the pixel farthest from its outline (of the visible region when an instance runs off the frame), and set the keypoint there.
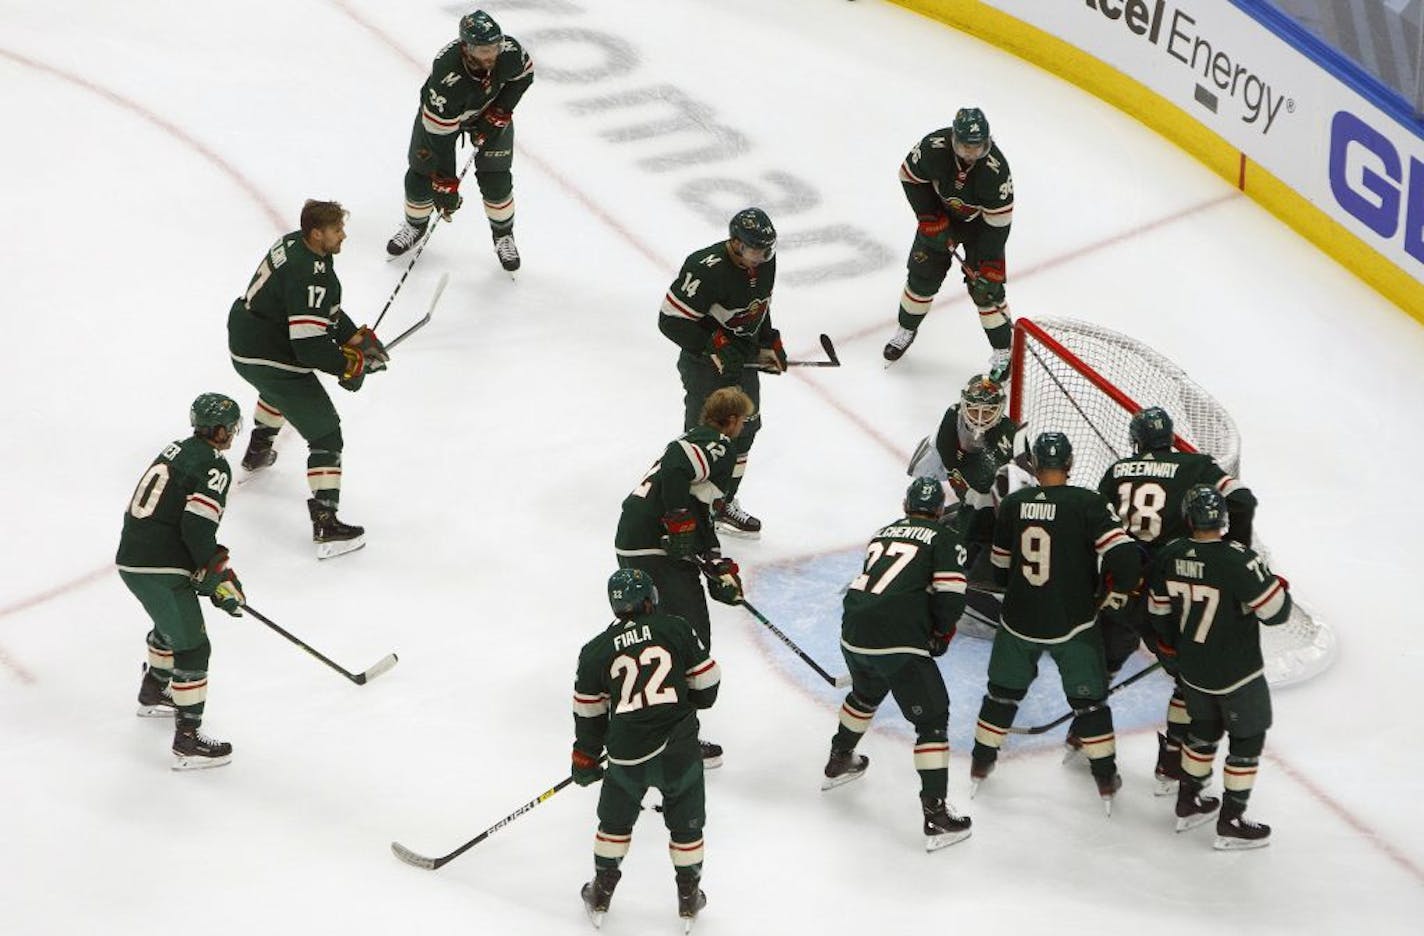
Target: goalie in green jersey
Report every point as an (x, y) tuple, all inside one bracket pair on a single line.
[(718, 312), (665, 525), (168, 557), (899, 614), (1208, 597), (474, 85), (639, 686), (1048, 542), (959, 186), (288, 327)]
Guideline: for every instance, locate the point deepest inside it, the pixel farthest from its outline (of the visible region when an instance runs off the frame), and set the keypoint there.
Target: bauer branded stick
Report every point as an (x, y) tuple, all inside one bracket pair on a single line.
[(360, 679), (1040, 729), (421, 249), (832, 359), (430, 864), (425, 320)]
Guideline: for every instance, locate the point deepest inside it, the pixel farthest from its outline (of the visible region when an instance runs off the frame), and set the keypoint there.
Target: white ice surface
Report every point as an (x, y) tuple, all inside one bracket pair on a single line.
[(154, 149)]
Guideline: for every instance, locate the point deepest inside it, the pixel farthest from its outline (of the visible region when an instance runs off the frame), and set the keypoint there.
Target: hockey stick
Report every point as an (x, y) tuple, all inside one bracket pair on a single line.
[(840, 682), (439, 215), (425, 320), (1040, 729), (430, 864), (360, 679), (832, 359)]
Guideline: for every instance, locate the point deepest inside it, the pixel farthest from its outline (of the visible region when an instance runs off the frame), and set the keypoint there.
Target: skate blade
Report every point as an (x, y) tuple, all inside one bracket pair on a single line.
[(595, 916), (1229, 843), (711, 763), (195, 762), (945, 839), (738, 532), (830, 783), (1187, 823), (1073, 755), (1164, 787), (334, 548), (974, 787), (1107, 805), (155, 711)]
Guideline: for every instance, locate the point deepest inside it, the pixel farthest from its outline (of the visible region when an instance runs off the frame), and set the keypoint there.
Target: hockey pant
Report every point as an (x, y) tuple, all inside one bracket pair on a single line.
[(926, 269), (493, 177), (677, 773), (300, 399), (178, 647), (918, 688), (1243, 714)]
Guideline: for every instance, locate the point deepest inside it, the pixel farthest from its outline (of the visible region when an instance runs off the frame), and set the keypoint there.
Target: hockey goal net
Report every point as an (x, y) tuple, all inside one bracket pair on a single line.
[(1087, 381)]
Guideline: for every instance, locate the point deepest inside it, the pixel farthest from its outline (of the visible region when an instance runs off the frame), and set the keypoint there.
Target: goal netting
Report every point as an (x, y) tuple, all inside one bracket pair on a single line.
[(1087, 381)]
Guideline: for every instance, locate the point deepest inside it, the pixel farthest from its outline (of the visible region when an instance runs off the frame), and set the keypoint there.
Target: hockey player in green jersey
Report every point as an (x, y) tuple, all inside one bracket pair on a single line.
[(1048, 542), (168, 556), (474, 85), (974, 440), (286, 328), (639, 686), (959, 186), (718, 312), (1148, 489), (665, 526), (1206, 595), (899, 614)]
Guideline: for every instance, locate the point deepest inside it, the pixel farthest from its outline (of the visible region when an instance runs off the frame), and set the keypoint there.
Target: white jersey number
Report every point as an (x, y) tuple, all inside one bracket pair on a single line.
[(149, 491), (654, 693), (902, 553), (1141, 509), (1036, 549), (1192, 594)]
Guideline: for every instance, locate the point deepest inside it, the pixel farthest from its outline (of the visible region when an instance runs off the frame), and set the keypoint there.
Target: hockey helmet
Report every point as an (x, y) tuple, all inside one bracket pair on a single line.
[(1150, 430), (925, 495), (479, 28), (981, 404), (213, 411), (969, 134), (1052, 450), (1204, 508), (753, 228), (628, 589)]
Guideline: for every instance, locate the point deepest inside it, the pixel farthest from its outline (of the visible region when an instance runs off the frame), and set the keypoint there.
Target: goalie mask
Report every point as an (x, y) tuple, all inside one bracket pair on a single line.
[(981, 404), (969, 135)]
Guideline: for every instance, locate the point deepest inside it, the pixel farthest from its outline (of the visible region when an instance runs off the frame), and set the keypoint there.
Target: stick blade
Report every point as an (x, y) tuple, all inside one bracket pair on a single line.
[(843, 682), (382, 666), (830, 350), (439, 289), (411, 858)]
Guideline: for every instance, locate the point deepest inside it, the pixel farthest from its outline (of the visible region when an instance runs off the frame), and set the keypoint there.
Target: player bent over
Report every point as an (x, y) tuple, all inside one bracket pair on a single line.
[(639, 686), (474, 85), (899, 614), (958, 183), (1206, 595), (288, 327), (665, 526), (168, 556), (1048, 541)]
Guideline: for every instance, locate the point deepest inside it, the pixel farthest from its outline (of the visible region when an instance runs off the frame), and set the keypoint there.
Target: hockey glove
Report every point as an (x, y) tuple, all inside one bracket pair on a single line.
[(680, 538), (772, 358), (207, 579), (353, 384), (445, 192), (986, 285), (939, 643), (723, 582), (725, 353), (586, 768), (373, 353), (228, 596), (355, 362), (933, 231)]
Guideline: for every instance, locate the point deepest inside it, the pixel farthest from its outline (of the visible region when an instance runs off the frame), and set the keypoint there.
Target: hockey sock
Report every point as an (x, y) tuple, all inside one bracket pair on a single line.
[(932, 763), (609, 847), (160, 658), (997, 326), (1198, 756), (1095, 730), (324, 472), (1177, 718), (996, 715), (686, 852), (267, 416), (855, 718), (500, 212), (914, 306)]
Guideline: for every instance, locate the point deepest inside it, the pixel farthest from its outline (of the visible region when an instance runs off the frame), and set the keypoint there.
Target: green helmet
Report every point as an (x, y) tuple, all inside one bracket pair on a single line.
[(924, 496), (628, 589), (1150, 430), (1052, 450), (969, 134), (212, 411), (1204, 508), (479, 28), (981, 404), (753, 227)]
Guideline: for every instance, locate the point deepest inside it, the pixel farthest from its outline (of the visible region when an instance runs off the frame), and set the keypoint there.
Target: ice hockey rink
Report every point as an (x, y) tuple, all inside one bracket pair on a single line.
[(153, 151)]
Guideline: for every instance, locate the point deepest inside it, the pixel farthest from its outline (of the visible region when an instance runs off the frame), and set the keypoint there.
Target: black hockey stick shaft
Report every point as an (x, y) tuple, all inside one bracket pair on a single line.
[(430, 864), (359, 679), (1040, 729), (439, 215), (832, 359)]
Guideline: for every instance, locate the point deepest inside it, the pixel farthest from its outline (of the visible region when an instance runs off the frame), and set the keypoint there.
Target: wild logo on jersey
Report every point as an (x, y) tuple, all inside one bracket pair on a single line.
[(749, 318)]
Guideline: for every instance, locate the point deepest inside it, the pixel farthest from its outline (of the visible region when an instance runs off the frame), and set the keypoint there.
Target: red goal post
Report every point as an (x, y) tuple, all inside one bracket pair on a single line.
[(1087, 381)]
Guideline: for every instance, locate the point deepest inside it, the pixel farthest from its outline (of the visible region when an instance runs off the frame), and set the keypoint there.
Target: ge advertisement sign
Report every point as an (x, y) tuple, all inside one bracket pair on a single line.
[(1370, 180)]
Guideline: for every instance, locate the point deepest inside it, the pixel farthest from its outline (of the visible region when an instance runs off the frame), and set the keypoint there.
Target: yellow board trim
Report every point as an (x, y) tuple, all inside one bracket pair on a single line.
[(1103, 81)]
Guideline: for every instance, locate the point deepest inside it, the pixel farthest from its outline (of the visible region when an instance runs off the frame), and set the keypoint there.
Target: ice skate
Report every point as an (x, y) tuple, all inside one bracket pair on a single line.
[(942, 826), (734, 521), (193, 750), (1107, 789), (1235, 832), (405, 237), (843, 767), (690, 900), (155, 699), (899, 343), (598, 892), (260, 453), (978, 771), (1000, 363), (711, 754), (1073, 749), (1193, 809), (1168, 771), (507, 252), (332, 537)]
